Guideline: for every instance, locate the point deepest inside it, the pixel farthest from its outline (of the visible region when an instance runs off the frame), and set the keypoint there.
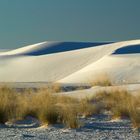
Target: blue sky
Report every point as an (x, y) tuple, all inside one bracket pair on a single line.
[(24, 22)]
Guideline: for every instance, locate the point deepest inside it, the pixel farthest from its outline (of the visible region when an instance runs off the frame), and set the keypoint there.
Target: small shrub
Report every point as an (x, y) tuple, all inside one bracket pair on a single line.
[(54, 88), (49, 115), (69, 116), (134, 111), (26, 107), (102, 80), (63, 99), (87, 108), (115, 100), (8, 104), (3, 116)]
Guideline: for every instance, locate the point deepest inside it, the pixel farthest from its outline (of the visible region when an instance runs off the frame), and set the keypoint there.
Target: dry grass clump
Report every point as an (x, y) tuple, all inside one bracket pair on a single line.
[(102, 80), (51, 108), (43, 105), (69, 111), (120, 103), (135, 118), (48, 115), (63, 99), (135, 111), (115, 100), (54, 87), (8, 104), (87, 108), (69, 116), (26, 104)]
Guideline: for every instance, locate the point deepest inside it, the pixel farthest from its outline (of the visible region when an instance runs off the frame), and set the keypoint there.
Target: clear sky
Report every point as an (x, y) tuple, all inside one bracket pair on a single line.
[(24, 22)]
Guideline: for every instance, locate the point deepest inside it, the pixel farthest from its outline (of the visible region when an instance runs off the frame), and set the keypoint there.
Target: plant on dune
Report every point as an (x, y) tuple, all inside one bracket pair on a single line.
[(51, 108), (56, 87), (86, 108), (69, 116), (135, 111), (43, 104), (102, 80), (120, 103), (8, 104), (68, 111), (25, 105), (63, 99), (121, 109), (49, 115), (53, 88), (116, 100)]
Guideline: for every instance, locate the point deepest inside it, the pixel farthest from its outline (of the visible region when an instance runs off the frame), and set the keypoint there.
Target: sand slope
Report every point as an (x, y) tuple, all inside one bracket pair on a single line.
[(71, 62)]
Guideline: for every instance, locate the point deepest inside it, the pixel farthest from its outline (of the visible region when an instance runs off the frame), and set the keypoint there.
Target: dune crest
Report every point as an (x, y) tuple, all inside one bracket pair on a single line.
[(71, 62)]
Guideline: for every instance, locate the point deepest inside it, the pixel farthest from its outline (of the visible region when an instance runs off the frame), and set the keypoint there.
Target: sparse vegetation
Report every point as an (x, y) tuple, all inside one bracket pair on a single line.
[(56, 87), (101, 80), (53, 87), (120, 103), (8, 104), (135, 111), (43, 105), (52, 109), (87, 108), (69, 116), (116, 100)]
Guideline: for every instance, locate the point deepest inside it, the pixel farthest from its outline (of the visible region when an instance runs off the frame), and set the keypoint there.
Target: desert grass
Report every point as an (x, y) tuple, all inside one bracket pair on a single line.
[(120, 103), (42, 104), (8, 104), (101, 79), (50, 108), (87, 109), (54, 87), (69, 116), (135, 111), (116, 100)]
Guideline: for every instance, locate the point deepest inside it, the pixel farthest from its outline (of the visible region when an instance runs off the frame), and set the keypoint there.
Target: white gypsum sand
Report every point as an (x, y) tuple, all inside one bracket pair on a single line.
[(35, 63)]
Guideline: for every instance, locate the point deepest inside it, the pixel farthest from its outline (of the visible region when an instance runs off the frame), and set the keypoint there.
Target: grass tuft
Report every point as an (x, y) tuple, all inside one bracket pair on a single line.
[(102, 80)]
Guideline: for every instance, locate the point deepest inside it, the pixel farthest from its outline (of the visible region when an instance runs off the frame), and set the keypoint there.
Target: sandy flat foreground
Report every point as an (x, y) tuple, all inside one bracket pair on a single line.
[(96, 128)]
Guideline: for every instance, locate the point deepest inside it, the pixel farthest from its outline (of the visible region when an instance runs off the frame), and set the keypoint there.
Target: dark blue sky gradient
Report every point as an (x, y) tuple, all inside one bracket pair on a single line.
[(24, 22)]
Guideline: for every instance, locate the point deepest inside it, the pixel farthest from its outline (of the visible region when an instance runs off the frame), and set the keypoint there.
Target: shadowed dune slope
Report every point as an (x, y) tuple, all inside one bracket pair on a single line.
[(52, 47), (71, 62)]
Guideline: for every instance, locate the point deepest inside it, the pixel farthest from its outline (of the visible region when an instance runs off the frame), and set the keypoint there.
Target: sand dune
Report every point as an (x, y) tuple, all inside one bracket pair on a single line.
[(71, 62)]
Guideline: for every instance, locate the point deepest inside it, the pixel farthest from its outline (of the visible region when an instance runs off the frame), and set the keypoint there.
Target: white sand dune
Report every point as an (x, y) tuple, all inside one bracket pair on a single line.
[(71, 62)]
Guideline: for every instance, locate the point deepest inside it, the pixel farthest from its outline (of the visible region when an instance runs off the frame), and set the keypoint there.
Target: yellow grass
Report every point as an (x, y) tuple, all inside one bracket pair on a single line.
[(51, 108), (101, 80), (69, 116), (41, 104), (116, 100), (121, 104), (87, 108)]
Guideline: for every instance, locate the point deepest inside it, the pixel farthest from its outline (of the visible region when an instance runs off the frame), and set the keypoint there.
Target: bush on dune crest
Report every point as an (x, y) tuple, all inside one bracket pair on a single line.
[(101, 80)]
